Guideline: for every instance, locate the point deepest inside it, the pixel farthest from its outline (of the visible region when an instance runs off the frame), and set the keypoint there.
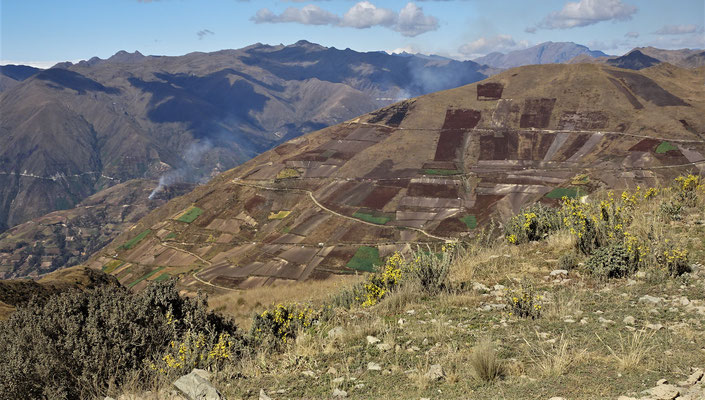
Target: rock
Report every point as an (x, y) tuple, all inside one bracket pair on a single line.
[(661, 382), (558, 272), (435, 373), (373, 366), (263, 395), (338, 380), (372, 340), (332, 371), (656, 327), (310, 374), (401, 321), (684, 301), (339, 393), (629, 320), (694, 378), (640, 274), (631, 282), (605, 321), (411, 312), (336, 332), (479, 287), (359, 386), (384, 346), (498, 287), (664, 392), (650, 299), (196, 387)]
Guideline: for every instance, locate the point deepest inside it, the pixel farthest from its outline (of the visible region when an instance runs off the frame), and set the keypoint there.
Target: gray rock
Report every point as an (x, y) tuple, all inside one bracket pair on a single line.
[(372, 340), (557, 272), (196, 387), (694, 378), (435, 373), (373, 366), (384, 346), (479, 287), (661, 382), (263, 395), (629, 320), (656, 327), (650, 299), (339, 393), (664, 392), (336, 332), (310, 374)]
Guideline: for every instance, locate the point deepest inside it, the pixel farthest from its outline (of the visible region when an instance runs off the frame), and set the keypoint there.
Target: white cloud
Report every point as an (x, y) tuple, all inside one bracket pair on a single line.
[(692, 41), (307, 15), (365, 15), (587, 12), (531, 29), (677, 29), (484, 45), (413, 22), (409, 21), (632, 35)]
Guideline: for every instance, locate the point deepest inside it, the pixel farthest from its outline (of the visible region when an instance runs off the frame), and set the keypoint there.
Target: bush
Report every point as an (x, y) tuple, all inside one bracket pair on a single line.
[(82, 343), (281, 323), (611, 262), (568, 261), (671, 209), (533, 223), (430, 270), (674, 260), (485, 364), (524, 302)]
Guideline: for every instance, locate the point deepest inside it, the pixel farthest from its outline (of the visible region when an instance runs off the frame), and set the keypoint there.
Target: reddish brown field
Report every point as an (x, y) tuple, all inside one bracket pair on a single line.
[(490, 91), (432, 190), (645, 145), (450, 144), (502, 146), (461, 119), (379, 197), (537, 113)]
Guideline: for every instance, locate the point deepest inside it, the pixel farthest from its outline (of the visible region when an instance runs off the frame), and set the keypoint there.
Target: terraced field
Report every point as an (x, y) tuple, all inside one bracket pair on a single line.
[(426, 170)]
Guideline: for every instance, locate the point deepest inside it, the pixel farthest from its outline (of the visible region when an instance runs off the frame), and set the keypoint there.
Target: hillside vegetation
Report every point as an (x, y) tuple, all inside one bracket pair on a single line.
[(595, 298)]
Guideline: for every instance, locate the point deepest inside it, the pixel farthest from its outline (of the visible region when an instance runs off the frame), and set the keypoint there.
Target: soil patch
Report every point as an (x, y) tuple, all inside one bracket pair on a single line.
[(490, 91), (432, 190), (537, 113)]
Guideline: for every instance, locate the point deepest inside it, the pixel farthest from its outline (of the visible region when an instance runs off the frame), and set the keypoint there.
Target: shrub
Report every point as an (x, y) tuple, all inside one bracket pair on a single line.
[(430, 270), (671, 209), (611, 262), (674, 260), (81, 343), (568, 261), (281, 323), (524, 302), (533, 223)]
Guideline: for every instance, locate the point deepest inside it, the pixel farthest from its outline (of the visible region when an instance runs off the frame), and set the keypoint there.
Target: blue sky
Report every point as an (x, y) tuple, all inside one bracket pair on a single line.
[(42, 32)]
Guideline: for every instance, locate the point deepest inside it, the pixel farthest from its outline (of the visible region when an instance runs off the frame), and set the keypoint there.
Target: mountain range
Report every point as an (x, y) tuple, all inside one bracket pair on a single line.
[(425, 170), (72, 130), (543, 53)]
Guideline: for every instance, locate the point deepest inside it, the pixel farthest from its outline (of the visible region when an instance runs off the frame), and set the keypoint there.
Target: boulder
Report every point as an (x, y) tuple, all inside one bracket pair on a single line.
[(196, 387)]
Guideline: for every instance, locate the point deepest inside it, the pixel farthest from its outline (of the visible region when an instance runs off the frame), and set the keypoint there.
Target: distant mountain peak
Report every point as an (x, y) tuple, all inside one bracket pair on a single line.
[(635, 60), (542, 53), (125, 57)]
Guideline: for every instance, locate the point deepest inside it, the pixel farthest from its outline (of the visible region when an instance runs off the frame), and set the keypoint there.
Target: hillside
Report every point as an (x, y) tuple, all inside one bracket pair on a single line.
[(69, 237), (11, 75), (543, 53), (425, 170), (73, 130), (644, 57)]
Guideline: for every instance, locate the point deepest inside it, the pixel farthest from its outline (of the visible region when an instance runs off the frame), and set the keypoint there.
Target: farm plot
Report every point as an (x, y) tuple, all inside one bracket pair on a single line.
[(190, 215), (583, 120), (135, 240), (379, 197), (537, 113), (365, 259), (490, 91)]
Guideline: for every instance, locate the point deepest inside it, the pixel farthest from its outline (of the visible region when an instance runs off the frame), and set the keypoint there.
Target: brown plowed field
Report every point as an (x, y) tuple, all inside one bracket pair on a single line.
[(502, 146), (490, 91), (379, 197), (537, 113), (449, 146), (431, 190), (461, 119), (648, 145), (647, 89)]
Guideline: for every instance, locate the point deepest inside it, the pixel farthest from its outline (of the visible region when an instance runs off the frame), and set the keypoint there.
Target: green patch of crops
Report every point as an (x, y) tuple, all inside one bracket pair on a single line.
[(171, 235), (162, 277), (279, 215), (470, 221), (112, 266), (559, 193), (379, 220), (665, 147), (145, 276), (365, 259), (431, 171), (132, 242), (190, 215)]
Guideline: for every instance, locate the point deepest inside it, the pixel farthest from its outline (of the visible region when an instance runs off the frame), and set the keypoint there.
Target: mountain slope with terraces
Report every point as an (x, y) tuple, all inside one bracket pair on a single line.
[(433, 168)]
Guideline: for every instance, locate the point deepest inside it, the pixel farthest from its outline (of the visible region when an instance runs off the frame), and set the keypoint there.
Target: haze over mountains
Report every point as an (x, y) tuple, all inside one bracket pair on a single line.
[(429, 169), (69, 131)]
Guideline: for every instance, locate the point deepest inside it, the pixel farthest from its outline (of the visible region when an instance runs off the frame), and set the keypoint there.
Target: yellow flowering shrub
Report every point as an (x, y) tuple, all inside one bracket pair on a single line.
[(524, 302), (282, 322), (533, 223)]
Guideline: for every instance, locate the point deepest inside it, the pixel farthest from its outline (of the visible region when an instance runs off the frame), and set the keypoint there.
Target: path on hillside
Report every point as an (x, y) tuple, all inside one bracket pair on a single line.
[(195, 274), (239, 182)]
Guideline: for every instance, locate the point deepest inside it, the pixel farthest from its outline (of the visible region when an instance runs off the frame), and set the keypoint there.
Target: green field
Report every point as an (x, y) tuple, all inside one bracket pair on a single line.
[(665, 147), (162, 277), (190, 215), (145, 276), (559, 193), (441, 172), (132, 242), (379, 220), (470, 221), (112, 266), (365, 259), (171, 235)]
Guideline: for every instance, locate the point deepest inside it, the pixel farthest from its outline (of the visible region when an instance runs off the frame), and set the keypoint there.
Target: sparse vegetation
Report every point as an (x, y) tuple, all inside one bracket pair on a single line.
[(132, 242), (279, 215), (470, 221), (375, 219), (665, 147), (445, 172)]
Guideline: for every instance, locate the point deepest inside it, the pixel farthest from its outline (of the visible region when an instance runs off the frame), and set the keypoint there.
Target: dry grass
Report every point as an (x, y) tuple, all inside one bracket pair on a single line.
[(632, 349), (553, 359), (242, 304), (563, 304), (486, 365)]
